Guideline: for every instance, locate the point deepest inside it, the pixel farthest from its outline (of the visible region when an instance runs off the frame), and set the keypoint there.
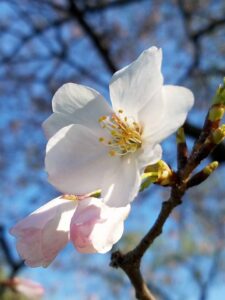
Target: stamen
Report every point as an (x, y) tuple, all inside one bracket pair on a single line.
[(112, 153), (70, 197), (102, 118), (126, 134)]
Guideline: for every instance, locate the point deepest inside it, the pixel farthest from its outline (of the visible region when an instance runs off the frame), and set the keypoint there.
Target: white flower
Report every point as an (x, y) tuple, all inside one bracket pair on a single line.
[(89, 224), (95, 146)]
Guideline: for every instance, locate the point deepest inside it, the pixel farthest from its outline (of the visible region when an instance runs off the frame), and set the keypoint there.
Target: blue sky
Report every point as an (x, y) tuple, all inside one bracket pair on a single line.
[(24, 188)]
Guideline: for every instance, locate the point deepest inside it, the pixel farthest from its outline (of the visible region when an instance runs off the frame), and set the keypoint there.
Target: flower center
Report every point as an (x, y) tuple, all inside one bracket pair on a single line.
[(125, 134)]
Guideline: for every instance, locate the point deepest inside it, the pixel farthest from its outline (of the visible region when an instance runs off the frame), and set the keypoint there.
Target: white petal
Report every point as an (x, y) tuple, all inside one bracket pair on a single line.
[(71, 97), (148, 155), (152, 113), (133, 86), (178, 101), (87, 116), (123, 182), (104, 236), (95, 227), (76, 161), (45, 232)]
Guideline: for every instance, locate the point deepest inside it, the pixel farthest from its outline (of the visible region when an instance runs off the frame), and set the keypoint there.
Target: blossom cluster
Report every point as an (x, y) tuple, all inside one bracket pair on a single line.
[(96, 146)]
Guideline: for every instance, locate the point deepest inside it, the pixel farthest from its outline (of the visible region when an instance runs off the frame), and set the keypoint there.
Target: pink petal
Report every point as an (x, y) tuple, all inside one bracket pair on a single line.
[(96, 227), (28, 288), (42, 234)]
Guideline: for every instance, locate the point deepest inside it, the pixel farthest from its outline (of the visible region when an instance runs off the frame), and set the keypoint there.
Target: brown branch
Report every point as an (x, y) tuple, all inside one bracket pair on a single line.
[(194, 132), (94, 37), (130, 262), (211, 276), (131, 266), (112, 4), (92, 7), (37, 31), (214, 24), (14, 265)]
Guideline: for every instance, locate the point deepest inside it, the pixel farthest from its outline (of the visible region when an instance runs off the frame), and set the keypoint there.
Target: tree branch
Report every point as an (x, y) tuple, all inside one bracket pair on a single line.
[(14, 265), (95, 38), (194, 132), (130, 262), (35, 32), (112, 4), (214, 24)]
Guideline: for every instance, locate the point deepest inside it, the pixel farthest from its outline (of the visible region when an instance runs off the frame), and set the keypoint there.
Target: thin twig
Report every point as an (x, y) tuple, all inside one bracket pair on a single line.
[(130, 262), (13, 264)]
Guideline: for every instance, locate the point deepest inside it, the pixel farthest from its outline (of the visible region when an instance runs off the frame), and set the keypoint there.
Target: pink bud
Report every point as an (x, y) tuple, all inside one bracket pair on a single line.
[(28, 288)]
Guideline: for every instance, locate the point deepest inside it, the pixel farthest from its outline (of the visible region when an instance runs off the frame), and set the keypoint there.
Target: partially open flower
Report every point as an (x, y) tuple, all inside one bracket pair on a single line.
[(28, 288), (95, 146), (42, 234)]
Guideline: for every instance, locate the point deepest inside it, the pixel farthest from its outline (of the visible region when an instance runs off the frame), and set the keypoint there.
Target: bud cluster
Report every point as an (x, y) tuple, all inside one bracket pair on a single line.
[(213, 134)]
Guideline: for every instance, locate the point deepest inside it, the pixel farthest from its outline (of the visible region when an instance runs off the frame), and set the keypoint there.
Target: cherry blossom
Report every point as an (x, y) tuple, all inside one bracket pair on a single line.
[(93, 145), (89, 224)]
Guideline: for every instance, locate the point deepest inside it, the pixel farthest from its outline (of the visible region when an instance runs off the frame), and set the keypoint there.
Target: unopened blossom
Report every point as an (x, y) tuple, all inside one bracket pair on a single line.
[(28, 288), (89, 224), (93, 145)]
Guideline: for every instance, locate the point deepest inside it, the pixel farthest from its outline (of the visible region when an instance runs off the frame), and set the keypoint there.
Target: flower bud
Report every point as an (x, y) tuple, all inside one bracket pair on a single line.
[(25, 287), (180, 137), (203, 174), (220, 94), (182, 150), (159, 173), (216, 113), (218, 135), (210, 168), (30, 289)]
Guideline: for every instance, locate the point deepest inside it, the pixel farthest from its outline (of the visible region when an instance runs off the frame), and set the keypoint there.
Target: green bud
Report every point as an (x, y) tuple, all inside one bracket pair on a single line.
[(216, 113), (218, 135), (203, 174), (220, 94), (95, 194), (147, 179), (210, 168), (147, 182), (180, 137), (159, 173)]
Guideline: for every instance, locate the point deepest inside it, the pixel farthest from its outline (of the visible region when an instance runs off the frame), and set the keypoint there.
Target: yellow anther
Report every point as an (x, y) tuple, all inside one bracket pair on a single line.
[(101, 139), (120, 111), (125, 134), (102, 118), (112, 153)]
